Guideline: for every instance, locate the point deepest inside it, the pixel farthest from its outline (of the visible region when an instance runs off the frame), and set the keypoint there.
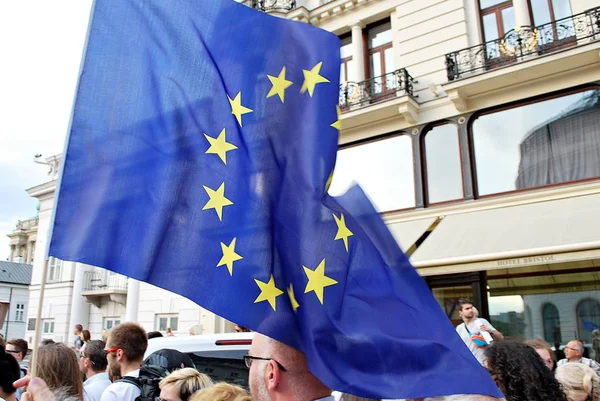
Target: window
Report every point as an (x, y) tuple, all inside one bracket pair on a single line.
[(551, 322), (588, 319), (110, 322), (31, 324), (48, 326), (54, 269), (443, 168), (20, 313), (163, 322), (497, 17), (549, 142), (346, 68), (549, 301), (549, 11), (546, 11), (381, 57), (384, 169)]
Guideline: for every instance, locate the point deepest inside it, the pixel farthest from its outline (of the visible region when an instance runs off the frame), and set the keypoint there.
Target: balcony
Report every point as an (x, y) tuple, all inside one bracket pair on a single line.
[(374, 90), (379, 98), (268, 6), (104, 285), (526, 62), (525, 43)]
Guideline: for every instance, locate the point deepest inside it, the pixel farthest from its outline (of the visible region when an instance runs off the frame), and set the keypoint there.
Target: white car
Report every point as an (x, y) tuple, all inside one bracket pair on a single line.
[(220, 356)]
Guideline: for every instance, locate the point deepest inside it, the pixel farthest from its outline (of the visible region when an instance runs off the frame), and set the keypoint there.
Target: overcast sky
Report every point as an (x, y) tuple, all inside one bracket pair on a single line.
[(41, 44)]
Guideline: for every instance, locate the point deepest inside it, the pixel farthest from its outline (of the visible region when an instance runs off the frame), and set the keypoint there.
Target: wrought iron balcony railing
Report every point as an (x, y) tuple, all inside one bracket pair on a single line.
[(524, 42), (104, 282), (385, 87), (281, 6)]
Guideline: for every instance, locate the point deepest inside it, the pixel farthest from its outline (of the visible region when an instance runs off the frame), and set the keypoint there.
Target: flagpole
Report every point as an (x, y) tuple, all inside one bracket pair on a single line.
[(38, 326), (38, 322)]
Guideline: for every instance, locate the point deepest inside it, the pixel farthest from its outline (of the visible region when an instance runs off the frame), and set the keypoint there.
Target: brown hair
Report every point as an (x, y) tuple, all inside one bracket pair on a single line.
[(86, 336), (20, 345), (464, 301), (58, 366), (221, 392), (131, 338)]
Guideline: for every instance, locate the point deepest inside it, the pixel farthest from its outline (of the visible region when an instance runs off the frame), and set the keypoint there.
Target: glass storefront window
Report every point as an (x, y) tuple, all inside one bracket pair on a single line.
[(558, 303), (549, 142), (444, 181), (384, 169)]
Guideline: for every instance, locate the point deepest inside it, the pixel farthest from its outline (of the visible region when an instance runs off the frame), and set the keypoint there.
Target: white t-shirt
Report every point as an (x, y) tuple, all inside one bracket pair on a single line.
[(474, 328), (122, 391)]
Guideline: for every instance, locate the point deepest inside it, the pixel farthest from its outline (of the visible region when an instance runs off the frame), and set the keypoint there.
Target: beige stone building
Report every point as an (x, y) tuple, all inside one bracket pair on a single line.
[(474, 126)]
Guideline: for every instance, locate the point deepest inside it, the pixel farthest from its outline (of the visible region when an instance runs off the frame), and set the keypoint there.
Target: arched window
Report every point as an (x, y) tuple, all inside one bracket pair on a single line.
[(551, 324), (528, 322), (588, 319), (442, 162)]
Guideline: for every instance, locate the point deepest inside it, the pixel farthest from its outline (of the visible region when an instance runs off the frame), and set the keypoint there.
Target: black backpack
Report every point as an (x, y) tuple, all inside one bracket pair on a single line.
[(148, 380)]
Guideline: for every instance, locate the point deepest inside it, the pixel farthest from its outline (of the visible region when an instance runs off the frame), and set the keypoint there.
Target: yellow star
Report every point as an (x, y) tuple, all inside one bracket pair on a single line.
[(290, 291), (338, 123), (237, 109), (219, 146), (343, 233), (217, 200), (268, 292), (280, 84), (229, 256), (312, 78), (317, 280)]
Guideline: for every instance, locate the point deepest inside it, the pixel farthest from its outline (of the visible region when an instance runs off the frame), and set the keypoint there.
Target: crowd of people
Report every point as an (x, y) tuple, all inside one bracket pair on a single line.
[(115, 369)]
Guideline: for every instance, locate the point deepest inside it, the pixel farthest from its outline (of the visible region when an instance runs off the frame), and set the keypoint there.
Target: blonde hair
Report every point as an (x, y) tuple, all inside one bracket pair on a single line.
[(221, 392), (578, 381), (186, 382)]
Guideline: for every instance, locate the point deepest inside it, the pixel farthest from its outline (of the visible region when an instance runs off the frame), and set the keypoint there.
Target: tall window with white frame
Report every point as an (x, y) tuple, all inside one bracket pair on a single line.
[(110, 322), (164, 322), (48, 326), (54, 269), (20, 313)]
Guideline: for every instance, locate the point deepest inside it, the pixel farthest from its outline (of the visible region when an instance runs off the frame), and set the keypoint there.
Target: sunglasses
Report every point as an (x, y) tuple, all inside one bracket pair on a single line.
[(111, 350)]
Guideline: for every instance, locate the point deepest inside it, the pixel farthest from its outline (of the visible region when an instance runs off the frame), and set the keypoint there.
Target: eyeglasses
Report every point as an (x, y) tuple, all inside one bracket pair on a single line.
[(249, 358), (573, 349), (12, 351), (111, 350)]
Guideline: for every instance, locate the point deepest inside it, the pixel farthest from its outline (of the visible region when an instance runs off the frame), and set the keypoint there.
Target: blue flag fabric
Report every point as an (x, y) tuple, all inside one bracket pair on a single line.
[(202, 139)]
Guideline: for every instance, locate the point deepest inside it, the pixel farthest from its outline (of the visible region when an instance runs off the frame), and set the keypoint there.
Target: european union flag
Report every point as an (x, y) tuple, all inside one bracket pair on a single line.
[(202, 140)]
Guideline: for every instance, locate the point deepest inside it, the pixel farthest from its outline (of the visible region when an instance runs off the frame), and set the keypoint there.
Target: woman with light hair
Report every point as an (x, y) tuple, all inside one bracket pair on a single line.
[(221, 392), (182, 383), (580, 382)]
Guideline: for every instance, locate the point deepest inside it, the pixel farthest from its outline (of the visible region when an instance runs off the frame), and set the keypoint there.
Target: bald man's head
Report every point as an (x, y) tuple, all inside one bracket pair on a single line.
[(284, 375)]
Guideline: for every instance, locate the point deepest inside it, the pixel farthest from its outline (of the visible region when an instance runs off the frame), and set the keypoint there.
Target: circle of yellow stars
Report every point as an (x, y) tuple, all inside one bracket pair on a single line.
[(317, 280)]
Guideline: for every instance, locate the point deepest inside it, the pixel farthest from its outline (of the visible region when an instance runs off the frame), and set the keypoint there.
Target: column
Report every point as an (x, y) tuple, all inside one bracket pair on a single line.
[(133, 300), (12, 253), (28, 258), (80, 309), (358, 53), (521, 12)]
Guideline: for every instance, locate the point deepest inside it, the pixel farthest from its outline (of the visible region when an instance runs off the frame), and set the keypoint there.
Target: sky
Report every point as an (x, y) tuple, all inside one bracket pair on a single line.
[(41, 44)]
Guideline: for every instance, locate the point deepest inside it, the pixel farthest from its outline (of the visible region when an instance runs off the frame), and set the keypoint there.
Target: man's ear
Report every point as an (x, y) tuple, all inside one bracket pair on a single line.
[(272, 375), (120, 355)]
